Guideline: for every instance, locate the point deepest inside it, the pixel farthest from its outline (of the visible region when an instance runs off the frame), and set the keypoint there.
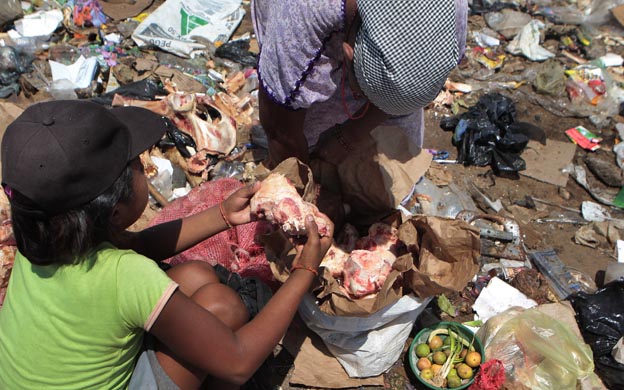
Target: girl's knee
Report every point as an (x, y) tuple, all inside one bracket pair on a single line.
[(224, 303), (193, 275)]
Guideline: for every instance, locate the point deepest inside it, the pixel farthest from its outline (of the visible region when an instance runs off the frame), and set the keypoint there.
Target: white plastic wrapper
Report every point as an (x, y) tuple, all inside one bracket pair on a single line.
[(594, 212), (178, 26), (527, 42), (365, 346)]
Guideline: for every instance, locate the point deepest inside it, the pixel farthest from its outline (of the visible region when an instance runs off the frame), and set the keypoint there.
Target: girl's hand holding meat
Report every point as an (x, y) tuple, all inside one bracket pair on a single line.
[(311, 252), (235, 209)]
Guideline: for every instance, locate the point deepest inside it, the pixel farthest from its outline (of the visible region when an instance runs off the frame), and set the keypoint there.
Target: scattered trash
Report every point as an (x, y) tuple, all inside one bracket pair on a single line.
[(580, 175), (470, 229), (527, 42), (484, 136), (38, 24), (12, 65), (79, 74), (124, 10), (237, 51), (497, 297), (10, 10), (562, 280), (615, 271), (428, 199), (507, 22), (446, 306), (584, 138), (606, 171), (538, 351), (181, 26)]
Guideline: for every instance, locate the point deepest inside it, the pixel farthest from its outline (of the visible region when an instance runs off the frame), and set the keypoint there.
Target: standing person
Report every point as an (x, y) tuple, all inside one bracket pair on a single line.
[(332, 70), (83, 294)]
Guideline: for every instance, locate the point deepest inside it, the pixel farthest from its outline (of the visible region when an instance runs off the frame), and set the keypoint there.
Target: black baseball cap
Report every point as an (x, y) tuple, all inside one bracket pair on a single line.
[(63, 154)]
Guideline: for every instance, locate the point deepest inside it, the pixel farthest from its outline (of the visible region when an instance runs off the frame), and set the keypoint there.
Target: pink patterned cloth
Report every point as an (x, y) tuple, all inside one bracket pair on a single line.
[(235, 249)]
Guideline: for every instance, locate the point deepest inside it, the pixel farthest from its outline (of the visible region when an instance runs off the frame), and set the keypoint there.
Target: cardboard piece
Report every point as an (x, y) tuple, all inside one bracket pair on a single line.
[(315, 366), (618, 13), (124, 9), (546, 162)]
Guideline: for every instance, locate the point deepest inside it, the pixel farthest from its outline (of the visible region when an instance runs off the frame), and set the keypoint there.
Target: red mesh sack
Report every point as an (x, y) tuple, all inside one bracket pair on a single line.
[(235, 249), (491, 376)]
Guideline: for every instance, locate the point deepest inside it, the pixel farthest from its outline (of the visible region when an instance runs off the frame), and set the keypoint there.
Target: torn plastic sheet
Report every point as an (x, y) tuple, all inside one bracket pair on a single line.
[(179, 26), (527, 42), (41, 23), (580, 176)]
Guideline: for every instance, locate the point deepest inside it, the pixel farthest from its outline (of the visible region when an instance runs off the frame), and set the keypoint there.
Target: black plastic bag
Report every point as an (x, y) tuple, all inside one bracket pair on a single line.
[(486, 134), (600, 317), (237, 51), (12, 64), (178, 138), (146, 89)]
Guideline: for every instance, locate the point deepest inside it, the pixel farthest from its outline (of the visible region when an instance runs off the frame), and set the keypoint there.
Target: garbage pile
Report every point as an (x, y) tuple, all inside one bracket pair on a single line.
[(464, 244)]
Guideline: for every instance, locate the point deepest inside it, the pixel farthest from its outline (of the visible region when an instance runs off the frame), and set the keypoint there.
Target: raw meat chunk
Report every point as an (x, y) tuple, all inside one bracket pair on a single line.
[(281, 204), (334, 260), (366, 271), (381, 236)]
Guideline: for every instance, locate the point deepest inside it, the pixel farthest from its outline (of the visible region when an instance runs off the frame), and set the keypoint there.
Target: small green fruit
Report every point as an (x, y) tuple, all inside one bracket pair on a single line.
[(422, 350)]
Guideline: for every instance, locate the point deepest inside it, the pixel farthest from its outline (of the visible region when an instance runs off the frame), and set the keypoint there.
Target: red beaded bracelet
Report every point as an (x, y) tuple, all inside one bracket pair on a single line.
[(298, 266)]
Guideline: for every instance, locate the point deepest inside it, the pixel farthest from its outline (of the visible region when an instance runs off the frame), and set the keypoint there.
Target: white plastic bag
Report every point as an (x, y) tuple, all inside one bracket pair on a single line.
[(365, 346), (174, 25), (527, 42)]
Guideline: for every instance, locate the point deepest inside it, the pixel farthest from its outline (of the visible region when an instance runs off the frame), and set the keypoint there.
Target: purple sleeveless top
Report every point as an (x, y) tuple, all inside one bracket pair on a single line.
[(300, 63)]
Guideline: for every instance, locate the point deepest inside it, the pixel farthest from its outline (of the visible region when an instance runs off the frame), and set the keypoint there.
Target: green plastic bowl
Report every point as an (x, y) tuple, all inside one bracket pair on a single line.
[(422, 336)]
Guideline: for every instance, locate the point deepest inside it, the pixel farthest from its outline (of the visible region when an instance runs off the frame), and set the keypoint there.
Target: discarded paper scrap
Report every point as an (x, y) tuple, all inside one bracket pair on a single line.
[(546, 163)]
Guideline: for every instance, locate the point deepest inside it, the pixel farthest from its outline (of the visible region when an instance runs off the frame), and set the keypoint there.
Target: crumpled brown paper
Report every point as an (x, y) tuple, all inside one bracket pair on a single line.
[(376, 178), (315, 365)]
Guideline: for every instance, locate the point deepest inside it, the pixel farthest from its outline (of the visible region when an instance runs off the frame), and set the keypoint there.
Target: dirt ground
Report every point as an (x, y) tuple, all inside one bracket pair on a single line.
[(559, 236)]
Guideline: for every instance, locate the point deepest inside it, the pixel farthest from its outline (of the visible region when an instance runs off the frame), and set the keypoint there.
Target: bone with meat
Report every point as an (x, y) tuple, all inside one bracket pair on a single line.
[(366, 268), (335, 260), (365, 272), (381, 236), (281, 204), (216, 136)]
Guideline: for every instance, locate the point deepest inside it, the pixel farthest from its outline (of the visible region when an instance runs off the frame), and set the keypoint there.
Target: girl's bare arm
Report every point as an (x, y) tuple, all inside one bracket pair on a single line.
[(198, 337), (167, 239)]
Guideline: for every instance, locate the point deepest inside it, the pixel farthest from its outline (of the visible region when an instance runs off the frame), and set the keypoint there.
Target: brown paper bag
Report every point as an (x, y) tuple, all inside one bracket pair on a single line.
[(448, 254), (443, 257), (376, 178)]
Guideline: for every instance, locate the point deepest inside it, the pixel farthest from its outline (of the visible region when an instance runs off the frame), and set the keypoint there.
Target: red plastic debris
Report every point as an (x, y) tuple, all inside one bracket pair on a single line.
[(491, 376)]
